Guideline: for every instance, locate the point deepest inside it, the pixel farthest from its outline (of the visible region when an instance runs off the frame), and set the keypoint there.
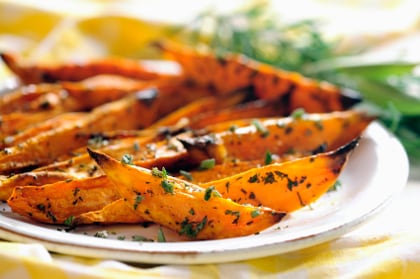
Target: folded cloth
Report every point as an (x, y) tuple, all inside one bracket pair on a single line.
[(381, 256)]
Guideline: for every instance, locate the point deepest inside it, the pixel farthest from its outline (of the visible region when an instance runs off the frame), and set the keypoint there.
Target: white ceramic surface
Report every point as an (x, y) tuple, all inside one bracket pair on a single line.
[(375, 173)]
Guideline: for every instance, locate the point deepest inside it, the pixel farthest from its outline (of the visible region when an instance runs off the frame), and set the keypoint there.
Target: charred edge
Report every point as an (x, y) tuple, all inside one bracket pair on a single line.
[(8, 59), (147, 96), (347, 148), (248, 93), (99, 158), (48, 77), (200, 142), (278, 215), (349, 98)]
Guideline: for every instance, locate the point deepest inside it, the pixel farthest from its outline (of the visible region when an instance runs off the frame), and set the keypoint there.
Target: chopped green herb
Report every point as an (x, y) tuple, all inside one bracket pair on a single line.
[(269, 178), (207, 164), (233, 128), (97, 141), (160, 236), (69, 221), (127, 159), (260, 127), (298, 113), (160, 173), (334, 187), (254, 179), (235, 213), (136, 147), (167, 186), (255, 213), (137, 201), (211, 192), (268, 158), (186, 174), (191, 229), (141, 238), (121, 237), (191, 211), (101, 234)]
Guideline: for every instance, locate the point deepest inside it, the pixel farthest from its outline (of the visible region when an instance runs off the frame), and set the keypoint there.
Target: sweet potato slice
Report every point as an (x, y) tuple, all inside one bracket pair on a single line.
[(38, 73), (133, 112), (116, 212), (128, 113), (30, 179), (307, 134), (184, 207), (286, 186), (39, 127), (70, 96), (15, 122), (30, 98), (55, 203), (232, 72)]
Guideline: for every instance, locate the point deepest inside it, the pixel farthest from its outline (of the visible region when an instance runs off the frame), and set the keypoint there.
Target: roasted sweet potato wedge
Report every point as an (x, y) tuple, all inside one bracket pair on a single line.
[(307, 134), (39, 178), (129, 113), (132, 112), (232, 72), (70, 96), (15, 122), (184, 207), (36, 128), (31, 98), (116, 212), (46, 204), (286, 186), (38, 73)]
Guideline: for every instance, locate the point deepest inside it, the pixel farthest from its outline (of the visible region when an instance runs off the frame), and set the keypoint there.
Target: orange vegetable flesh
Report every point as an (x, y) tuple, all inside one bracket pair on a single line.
[(46, 204), (309, 134), (185, 208), (286, 186)]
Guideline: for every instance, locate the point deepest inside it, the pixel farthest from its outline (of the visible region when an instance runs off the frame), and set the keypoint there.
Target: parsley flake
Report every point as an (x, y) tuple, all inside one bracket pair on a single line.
[(211, 191), (268, 158), (186, 174), (207, 164), (127, 159), (298, 113), (69, 221), (260, 128), (167, 186), (137, 201), (160, 236)]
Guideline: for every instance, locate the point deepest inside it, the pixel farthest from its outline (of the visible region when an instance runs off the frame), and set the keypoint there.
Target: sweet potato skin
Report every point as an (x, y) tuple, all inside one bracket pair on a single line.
[(38, 73), (232, 72)]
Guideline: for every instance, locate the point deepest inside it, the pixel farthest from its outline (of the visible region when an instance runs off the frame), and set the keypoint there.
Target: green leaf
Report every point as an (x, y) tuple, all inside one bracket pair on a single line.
[(382, 94)]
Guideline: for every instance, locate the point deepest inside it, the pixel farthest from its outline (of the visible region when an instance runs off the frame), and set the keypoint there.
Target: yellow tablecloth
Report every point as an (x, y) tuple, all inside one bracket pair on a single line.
[(386, 247)]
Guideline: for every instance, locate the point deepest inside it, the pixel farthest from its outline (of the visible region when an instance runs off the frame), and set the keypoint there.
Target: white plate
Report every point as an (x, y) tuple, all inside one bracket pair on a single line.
[(377, 170)]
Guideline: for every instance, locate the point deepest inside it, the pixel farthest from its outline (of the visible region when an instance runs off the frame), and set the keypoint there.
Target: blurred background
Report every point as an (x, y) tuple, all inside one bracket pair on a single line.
[(367, 45)]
